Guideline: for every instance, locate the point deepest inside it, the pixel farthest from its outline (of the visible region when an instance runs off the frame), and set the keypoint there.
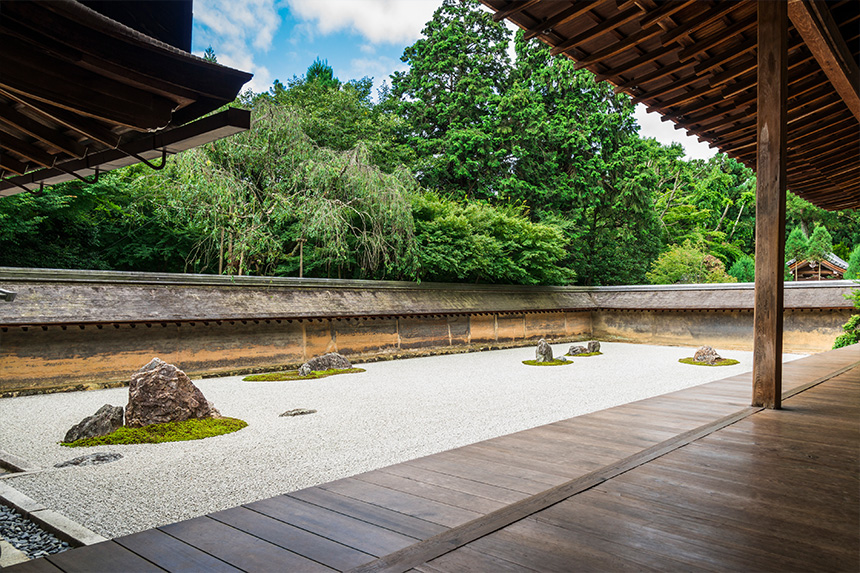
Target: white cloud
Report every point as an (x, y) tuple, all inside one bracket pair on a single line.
[(664, 132), (238, 30), (379, 68), (380, 21)]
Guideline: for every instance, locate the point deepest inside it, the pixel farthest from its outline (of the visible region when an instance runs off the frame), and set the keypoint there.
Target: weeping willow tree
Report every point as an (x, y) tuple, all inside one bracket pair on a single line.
[(269, 201)]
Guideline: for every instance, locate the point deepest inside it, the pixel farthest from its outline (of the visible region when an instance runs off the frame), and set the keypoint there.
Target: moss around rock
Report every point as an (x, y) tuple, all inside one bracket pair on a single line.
[(193, 429), (557, 362), (294, 375), (585, 355), (722, 362)]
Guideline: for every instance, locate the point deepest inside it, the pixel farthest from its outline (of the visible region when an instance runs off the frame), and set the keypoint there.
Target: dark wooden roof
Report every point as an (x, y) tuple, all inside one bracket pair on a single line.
[(694, 62), (75, 84)]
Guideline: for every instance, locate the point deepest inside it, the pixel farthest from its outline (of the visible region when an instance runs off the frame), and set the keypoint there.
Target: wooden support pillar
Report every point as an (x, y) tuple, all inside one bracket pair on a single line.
[(770, 202)]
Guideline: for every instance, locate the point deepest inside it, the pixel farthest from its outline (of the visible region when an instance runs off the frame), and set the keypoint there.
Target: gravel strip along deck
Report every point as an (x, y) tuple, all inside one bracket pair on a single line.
[(396, 411)]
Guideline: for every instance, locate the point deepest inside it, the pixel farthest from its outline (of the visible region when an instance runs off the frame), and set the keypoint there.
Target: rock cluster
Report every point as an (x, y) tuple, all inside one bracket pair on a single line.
[(160, 392), (106, 420), (543, 353), (26, 536), (328, 361), (593, 346), (707, 355)]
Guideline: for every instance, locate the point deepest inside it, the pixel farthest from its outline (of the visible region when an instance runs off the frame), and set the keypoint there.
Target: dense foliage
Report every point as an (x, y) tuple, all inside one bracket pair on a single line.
[(472, 166)]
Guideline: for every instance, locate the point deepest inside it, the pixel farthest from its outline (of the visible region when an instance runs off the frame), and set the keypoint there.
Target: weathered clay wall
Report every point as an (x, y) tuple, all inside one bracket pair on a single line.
[(805, 331), (71, 329), (56, 358)]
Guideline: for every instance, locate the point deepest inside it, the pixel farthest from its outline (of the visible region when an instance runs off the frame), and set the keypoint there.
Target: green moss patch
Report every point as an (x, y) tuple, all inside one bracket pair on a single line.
[(585, 354), (193, 429), (723, 362), (550, 363), (294, 375)]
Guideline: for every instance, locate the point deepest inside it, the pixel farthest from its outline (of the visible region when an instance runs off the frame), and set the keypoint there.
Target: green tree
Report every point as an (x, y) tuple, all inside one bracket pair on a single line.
[(743, 269), (321, 73), (688, 263), (477, 242), (819, 247), (574, 158), (255, 199), (209, 55), (449, 96), (853, 270), (851, 329), (796, 247)]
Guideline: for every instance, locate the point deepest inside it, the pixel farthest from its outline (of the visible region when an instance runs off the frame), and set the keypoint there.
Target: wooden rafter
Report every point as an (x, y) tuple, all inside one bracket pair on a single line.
[(820, 33)]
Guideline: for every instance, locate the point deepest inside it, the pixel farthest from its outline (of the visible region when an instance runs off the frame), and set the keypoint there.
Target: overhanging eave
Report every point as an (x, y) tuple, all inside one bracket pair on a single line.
[(150, 147)]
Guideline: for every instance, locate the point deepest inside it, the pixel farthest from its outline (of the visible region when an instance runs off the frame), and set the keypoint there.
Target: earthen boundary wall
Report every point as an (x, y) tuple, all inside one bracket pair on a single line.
[(69, 330)]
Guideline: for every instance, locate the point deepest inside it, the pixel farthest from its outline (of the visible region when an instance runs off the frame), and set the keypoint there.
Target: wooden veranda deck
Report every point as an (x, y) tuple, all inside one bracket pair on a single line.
[(693, 480)]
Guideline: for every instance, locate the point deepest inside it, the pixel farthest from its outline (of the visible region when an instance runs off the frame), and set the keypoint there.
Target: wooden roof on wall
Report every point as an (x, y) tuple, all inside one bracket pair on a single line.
[(79, 91), (694, 62)]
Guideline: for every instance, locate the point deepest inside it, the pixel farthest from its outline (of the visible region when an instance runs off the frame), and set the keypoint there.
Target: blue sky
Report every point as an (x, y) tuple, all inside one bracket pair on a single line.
[(277, 39)]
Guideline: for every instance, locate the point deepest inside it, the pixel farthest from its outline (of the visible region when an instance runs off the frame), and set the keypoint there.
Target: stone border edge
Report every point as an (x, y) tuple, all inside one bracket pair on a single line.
[(61, 526)]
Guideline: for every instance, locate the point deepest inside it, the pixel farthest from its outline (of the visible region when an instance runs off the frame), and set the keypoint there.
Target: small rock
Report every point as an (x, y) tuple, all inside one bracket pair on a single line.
[(574, 350), (543, 353), (707, 355), (106, 420), (297, 412), (593, 346), (91, 460), (328, 361)]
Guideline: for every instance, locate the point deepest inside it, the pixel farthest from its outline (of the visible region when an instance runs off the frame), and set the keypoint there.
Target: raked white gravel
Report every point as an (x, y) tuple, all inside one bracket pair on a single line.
[(396, 411)]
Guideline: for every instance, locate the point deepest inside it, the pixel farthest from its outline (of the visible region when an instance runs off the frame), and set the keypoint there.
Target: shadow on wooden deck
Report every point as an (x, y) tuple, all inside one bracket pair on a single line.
[(692, 480)]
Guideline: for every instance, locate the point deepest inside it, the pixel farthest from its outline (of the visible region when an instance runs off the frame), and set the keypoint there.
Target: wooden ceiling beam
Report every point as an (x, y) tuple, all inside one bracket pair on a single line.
[(80, 91), (600, 29), (513, 8), (727, 35), (620, 46), (26, 150), (9, 163), (559, 19), (625, 68), (718, 11), (820, 33), (86, 127), (46, 135), (657, 74)]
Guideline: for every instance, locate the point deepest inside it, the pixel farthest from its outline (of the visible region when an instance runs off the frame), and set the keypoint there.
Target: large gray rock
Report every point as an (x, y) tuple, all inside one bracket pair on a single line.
[(707, 355), (328, 361), (593, 346), (574, 350), (160, 392), (106, 420), (543, 352)]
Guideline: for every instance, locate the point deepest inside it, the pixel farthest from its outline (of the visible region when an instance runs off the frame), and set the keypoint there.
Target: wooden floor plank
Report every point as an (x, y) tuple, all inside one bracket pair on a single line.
[(105, 556), (459, 484), (40, 565), (341, 528), (379, 516), (237, 548), (171, 554), (422, 508), (304, 543), (432, 492), (471, 561)]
